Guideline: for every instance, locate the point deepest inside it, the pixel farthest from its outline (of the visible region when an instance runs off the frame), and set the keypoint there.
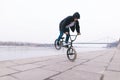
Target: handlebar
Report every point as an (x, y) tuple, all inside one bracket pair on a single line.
[(74, 38)]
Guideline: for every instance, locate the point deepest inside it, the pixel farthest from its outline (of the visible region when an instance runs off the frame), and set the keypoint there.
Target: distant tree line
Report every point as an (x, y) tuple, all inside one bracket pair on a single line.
[(24, 44)]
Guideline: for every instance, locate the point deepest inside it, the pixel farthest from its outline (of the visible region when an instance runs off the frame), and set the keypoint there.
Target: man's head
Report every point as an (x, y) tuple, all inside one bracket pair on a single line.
[(76, 16)]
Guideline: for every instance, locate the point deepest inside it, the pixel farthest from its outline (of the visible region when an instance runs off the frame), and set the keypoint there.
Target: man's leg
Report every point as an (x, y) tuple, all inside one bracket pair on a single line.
[(66, 41), (67, 38), (60, 36)]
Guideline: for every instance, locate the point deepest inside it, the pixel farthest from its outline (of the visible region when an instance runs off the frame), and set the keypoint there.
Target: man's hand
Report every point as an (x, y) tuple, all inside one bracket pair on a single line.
[(78, 33)]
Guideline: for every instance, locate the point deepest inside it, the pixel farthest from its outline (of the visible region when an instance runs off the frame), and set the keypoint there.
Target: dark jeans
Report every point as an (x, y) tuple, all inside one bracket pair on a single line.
[(60, 36)]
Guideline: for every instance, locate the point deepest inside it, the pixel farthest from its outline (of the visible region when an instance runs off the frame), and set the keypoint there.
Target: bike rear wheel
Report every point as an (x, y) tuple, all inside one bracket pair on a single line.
[(58, 47), (71, 54)]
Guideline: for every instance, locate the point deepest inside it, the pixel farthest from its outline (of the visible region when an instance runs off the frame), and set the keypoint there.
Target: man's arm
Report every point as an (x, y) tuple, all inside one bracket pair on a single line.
[(78, 28)]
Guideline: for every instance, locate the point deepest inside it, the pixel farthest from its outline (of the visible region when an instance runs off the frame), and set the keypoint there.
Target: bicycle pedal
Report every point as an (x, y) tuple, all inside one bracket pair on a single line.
[(66, 46)]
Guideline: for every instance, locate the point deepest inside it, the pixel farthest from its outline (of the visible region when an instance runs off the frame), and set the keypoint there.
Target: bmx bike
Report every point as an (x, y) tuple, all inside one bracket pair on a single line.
[(71, 52)]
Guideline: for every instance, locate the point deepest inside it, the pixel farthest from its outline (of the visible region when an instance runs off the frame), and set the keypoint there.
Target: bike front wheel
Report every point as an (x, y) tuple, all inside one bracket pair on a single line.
[(71, 54), (58, 47)]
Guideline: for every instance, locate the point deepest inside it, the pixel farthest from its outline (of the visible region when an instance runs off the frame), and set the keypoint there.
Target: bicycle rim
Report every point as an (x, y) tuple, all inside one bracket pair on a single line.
[(71, 54), (58, 47)]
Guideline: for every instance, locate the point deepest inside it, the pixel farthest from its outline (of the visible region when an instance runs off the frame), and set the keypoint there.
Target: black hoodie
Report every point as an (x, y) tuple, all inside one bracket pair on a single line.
[(66, 22)]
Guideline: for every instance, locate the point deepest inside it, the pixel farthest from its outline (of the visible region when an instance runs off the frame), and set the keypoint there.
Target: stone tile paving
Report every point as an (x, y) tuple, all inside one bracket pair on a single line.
[(95, 65)]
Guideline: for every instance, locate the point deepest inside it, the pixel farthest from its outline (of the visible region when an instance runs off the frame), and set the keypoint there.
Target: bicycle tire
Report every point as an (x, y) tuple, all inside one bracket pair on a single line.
[(71, 54), (58, 47)]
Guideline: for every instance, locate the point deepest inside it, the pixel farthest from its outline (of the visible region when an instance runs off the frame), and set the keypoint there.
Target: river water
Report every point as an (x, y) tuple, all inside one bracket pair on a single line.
[(19, 52)]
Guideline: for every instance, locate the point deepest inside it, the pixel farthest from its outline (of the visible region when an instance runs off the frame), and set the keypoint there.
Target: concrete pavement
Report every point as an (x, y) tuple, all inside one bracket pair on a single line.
[(94, 65)]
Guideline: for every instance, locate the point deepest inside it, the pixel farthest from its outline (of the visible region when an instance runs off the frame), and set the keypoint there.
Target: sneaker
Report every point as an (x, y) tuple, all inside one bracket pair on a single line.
[(65, 44)]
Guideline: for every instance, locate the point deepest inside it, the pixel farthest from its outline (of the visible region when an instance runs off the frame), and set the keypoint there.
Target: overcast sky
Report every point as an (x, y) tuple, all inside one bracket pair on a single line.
[(38, 20)]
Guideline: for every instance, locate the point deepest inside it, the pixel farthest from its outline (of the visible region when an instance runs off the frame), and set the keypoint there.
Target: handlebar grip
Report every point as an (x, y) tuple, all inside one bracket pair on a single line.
[(73, 35)]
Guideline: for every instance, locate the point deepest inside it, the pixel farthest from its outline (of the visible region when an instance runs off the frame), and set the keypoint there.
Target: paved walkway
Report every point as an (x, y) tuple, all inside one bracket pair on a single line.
[(100, 65)]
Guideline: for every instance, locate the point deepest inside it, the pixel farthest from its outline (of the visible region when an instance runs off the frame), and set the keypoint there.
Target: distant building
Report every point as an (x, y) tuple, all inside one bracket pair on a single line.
[(114, 44), (118, 46)]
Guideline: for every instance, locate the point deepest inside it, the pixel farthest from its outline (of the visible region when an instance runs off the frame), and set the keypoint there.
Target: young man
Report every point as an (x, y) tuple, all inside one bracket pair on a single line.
[(69, 22)]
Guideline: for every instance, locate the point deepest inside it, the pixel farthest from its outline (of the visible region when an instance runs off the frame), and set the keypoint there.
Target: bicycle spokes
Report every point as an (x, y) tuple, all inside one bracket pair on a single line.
[(71, 54), (57, 44)]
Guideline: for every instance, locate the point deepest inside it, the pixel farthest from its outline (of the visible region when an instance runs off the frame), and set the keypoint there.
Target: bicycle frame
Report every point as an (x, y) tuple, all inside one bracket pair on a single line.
[(71, 52), (72, 40)]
